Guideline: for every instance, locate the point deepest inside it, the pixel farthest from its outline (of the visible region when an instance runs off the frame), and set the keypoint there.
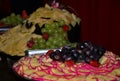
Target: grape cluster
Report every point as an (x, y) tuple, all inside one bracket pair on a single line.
[(90, 51), (53, 35), (82, 52), (13, 19)]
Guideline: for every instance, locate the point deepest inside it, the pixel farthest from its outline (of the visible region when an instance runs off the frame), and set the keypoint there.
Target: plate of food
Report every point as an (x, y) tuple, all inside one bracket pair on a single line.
[(46, 28), (84, 62)]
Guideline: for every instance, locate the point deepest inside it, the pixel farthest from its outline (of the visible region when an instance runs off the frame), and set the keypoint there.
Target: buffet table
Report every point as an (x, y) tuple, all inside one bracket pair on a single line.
[(6, 72)]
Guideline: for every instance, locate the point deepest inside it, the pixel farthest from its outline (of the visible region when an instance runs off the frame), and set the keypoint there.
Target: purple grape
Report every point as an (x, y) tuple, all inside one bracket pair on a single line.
[(87, 44), (68, 58), (83, 45), (75, 53), (81, 58), (87, 59), (55, 56)]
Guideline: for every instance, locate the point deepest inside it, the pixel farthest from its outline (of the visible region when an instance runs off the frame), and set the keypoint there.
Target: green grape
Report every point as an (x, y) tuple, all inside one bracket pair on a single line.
[(51, 38), (50, 31), (55, 42), (60, 30), (60, 45), (7, 20), (3, 20), (48, 44), (52, 26), (12, 14), (47, 25), (12, 19), (42, 45), (41, 41), (19, 18), (56, 24), (54, 31), (64, 34), (53, 46), (64, 42), (43, 30), (61, 23), (35, 46), (60, 38)]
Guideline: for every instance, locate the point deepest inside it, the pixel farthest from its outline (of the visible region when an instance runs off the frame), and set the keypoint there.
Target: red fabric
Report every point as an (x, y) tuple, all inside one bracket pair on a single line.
[(100, 21)]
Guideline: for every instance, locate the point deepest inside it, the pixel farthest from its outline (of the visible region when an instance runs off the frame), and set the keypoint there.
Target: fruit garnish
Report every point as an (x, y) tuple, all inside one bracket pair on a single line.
[(49, 52), (1, 23), (55, 4), (45, 35), (24, 14), (56, 55), (11, 20), (69, 63), (94, 63), (83, 52), (65, 28), (30, 43)]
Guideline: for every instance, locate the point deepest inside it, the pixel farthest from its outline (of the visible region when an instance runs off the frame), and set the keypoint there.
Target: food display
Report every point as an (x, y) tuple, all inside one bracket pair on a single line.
[(83, 62), (47, 27), (13, 19), (53, 30)]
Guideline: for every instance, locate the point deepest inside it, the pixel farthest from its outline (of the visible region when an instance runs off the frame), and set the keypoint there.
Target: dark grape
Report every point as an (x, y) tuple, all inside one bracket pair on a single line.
[(95, 49), (55, 56), (81, 58), (87, 59), (68, 57), (87, 44), (75, 54), (80, 46), (88, 53), (91, 56), (83, 52), (66, 50), (83, 45)]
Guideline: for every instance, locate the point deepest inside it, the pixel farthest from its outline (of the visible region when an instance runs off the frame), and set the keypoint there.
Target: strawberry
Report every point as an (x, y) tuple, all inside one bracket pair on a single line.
[(49, 52), (24, 14), (45, 36), (65, 28), (69, 63), (1, 24), (94, 63), (30, 43)]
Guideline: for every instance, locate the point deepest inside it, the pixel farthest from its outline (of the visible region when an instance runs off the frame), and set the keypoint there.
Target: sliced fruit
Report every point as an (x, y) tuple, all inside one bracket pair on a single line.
[(65, 28), (24, 14), (1, 23), (94, 63), (49, 52), (69, 63), (45, 36), (30, 43)]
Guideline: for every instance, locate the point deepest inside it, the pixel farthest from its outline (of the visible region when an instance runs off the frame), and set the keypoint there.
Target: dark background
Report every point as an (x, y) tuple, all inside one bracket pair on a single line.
[(100, 21), (16, 6), (29, 5)]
